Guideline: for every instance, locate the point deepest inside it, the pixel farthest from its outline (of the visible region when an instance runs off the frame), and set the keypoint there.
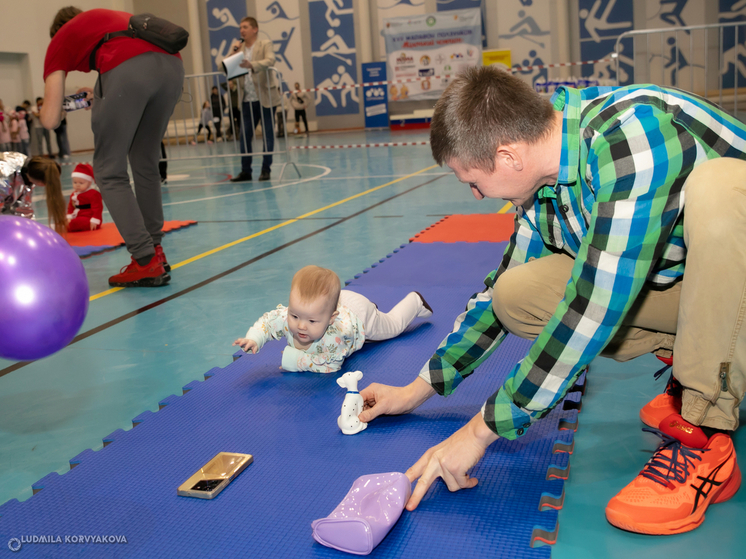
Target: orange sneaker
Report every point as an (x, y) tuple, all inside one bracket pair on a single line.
[(686, 474), (664, 404), (134, 275)]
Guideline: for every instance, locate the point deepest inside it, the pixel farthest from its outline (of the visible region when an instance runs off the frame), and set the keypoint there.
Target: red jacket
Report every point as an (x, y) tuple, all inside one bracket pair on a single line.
[(86, 204)]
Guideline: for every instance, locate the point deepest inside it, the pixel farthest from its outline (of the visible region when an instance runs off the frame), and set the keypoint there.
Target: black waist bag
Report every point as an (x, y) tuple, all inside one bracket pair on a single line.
[(158, 31)]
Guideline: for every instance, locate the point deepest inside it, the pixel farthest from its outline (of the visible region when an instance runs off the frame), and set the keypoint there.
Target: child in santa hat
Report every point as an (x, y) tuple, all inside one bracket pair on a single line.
[(84, 212)]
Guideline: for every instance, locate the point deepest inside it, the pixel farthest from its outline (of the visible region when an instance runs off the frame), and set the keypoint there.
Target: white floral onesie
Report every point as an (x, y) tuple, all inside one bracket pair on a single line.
[(342, 338)]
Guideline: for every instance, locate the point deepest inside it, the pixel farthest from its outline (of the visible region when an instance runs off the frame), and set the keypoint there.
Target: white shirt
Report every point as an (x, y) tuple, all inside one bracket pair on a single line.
[(249, 91)]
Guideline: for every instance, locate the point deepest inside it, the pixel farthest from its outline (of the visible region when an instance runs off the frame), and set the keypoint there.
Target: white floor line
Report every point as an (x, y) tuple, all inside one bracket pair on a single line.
[(327, 170)]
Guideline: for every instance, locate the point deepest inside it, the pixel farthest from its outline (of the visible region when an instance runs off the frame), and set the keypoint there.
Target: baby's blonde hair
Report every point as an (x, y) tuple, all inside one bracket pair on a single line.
[(312, 282)]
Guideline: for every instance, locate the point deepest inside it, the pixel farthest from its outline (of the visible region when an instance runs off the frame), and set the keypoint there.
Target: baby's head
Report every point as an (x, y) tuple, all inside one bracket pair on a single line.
[(314, 295), (82, 177)]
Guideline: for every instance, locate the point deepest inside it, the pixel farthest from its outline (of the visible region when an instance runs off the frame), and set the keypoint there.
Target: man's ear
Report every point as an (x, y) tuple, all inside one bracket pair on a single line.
[(508, 155)]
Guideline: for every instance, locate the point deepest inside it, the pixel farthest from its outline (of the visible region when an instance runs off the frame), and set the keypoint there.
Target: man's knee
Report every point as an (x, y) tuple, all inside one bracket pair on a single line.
[(526, 296), (718, 183)]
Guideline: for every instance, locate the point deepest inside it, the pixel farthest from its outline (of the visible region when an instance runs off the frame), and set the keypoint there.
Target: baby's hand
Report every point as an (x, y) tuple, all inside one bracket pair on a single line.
[(246, 344)]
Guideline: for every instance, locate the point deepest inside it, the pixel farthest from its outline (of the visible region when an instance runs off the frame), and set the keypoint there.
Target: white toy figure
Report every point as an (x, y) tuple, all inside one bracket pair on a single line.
[(353, 404)]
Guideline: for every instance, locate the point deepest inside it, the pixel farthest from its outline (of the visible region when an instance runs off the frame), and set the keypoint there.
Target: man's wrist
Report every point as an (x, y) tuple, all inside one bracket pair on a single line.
[(482, 433), (419, 392)]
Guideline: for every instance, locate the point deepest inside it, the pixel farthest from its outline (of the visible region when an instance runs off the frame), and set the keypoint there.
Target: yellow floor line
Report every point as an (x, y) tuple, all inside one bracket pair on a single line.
[(273, 228), (505, 208)]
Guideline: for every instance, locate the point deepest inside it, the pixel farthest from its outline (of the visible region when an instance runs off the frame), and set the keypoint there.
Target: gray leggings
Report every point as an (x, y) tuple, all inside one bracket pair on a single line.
[(132, 105)]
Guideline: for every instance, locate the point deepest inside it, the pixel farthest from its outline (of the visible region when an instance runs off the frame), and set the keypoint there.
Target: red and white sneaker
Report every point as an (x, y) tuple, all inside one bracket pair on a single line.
[(133, 275), (162, 257), (686, 474), (664, 404)]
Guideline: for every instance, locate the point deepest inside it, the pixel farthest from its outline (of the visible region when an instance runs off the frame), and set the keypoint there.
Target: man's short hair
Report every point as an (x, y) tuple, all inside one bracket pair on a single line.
[(312, 282), (482, 109), (63, 16), (252, 21)]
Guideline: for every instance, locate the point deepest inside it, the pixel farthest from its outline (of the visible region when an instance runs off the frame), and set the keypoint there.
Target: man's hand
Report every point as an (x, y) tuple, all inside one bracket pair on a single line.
[(381, 399), (236, 45), (451, 460), (89, 96), (246, 344), (246, 64)]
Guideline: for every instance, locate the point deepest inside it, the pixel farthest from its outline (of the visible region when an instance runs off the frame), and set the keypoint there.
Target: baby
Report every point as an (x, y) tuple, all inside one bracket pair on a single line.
[(85, 210), (323, 325)]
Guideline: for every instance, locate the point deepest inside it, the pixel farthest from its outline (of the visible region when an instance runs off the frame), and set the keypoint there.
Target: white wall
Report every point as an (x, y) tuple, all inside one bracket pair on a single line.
[(23, 46)]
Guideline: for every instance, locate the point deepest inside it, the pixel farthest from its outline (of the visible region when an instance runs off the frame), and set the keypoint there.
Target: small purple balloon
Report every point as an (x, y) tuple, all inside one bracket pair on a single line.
[(43, 290)]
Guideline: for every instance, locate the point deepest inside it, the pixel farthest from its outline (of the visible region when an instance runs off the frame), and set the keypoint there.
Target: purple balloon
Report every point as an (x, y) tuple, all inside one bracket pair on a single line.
[(43, 290)]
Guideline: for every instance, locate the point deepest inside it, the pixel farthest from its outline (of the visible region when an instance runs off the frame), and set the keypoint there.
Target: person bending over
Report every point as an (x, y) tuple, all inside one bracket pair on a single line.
[(629, 238), (136, 92)]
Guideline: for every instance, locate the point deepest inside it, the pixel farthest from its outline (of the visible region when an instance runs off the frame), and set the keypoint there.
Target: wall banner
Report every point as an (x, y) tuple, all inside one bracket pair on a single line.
[(279, 20), (223, 17), (375, 98), (431, 45), (334, 56)]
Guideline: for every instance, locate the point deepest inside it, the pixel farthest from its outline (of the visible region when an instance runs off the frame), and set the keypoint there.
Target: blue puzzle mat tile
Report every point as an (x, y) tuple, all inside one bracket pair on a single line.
[(303, 465), (142, 417), (91, 250)]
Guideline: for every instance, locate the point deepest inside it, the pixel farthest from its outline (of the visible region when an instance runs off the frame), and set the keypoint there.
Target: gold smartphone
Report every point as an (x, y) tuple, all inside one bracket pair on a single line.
[(214, 476)]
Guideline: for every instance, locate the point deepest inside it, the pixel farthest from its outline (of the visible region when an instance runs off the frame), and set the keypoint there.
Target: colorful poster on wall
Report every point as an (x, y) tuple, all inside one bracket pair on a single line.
[(396, 8), (601, 23), (448, 5), (279, 20), (334, 56), (375, 98), (428, 47), (223, 19)]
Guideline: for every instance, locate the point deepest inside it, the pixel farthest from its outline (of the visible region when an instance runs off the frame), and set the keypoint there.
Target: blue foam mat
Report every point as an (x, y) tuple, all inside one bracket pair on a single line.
[(303, 466), (91, 250)]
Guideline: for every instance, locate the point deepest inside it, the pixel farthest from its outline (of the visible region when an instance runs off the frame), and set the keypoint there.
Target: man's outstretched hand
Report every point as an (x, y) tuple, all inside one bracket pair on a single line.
[(451, 460), (381, 399)]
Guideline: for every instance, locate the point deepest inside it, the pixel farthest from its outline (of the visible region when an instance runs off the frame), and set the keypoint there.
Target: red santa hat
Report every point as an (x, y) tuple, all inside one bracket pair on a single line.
[(83, 171)]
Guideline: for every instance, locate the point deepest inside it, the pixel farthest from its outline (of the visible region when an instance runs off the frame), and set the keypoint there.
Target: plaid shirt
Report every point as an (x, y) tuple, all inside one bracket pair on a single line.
[(617, 209)]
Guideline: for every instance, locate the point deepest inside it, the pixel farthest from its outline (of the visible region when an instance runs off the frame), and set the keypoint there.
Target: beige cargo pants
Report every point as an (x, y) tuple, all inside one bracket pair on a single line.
[(700, 318)]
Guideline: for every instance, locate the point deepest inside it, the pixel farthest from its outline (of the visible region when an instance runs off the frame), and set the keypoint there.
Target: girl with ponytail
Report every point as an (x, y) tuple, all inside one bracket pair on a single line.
[(46, 172)]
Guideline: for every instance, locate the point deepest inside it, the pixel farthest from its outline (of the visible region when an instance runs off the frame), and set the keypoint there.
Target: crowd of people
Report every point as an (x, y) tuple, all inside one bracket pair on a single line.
[(21, 131)]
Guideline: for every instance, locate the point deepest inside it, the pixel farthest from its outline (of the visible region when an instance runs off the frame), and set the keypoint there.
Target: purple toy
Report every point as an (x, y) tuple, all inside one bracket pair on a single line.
[(366, 514), (43, 290)]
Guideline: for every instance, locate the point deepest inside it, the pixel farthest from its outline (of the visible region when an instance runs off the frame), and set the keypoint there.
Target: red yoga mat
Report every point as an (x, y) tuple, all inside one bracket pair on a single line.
[(471, 228), (108, 235)]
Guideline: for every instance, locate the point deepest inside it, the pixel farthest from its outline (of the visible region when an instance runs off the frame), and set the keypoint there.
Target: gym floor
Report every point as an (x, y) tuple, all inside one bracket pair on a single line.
[(349, 208)]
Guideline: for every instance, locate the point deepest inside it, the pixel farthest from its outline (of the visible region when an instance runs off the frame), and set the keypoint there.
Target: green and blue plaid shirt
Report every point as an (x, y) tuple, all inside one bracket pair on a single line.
[(618, 209)]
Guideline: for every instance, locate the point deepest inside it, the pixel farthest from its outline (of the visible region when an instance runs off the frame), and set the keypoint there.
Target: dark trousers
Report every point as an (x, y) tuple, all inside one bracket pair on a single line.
[(301, 114), (163, 165), (253, 114), (129, 123), (206, 127), (218, 125), (63, 143), (235, 123)]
